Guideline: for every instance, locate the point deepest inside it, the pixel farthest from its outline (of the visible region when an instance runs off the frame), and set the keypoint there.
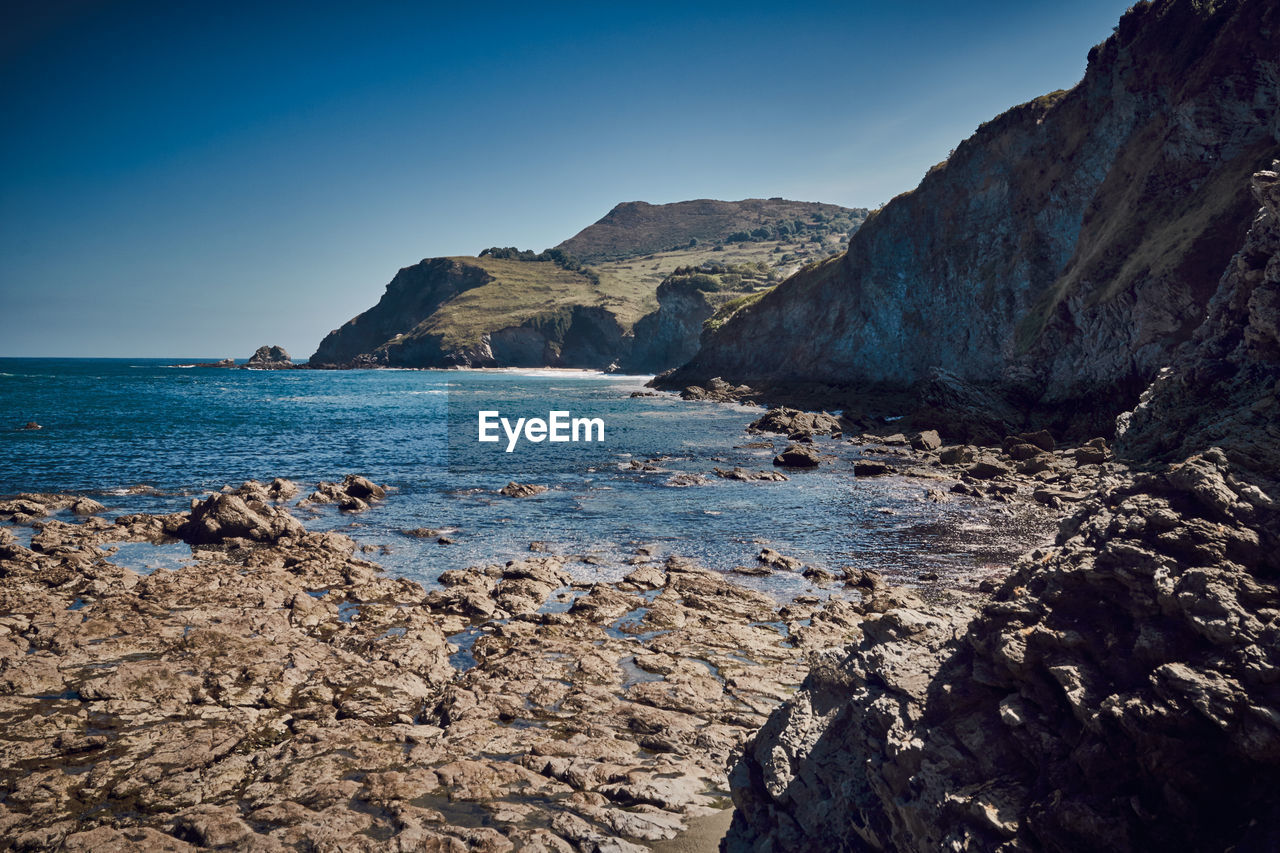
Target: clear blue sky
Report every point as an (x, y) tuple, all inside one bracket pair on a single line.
[(181, 179)]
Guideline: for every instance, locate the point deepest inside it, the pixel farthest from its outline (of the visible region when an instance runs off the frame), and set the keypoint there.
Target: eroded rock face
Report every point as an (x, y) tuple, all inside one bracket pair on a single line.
[(1224, 389), (1120, 690), (1059, 255), (1116, 694)]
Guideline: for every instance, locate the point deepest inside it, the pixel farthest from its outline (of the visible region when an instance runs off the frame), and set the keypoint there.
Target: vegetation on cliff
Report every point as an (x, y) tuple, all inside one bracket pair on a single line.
[(511, 306)]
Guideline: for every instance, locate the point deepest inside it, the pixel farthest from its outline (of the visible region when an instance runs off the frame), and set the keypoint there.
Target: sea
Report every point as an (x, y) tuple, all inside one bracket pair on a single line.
[(149, 435)]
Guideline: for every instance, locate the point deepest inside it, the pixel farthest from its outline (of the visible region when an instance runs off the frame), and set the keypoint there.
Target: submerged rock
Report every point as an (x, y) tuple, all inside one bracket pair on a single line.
[(744, 475)]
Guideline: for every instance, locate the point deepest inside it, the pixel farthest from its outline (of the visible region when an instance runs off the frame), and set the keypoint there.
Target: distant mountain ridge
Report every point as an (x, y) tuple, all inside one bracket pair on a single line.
[(561, 308)]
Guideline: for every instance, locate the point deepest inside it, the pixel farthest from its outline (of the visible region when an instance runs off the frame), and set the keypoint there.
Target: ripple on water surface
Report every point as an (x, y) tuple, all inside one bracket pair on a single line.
[(163, 436)]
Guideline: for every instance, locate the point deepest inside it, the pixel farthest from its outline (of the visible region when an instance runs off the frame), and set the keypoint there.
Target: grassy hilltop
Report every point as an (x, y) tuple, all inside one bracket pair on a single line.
[(603, 281)]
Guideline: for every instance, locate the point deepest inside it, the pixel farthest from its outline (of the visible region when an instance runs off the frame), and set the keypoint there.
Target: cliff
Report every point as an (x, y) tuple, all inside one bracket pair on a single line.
[(1119, 692), (687, 299), (1223, 388), (1061, 253), (512, 308), (414, 295)]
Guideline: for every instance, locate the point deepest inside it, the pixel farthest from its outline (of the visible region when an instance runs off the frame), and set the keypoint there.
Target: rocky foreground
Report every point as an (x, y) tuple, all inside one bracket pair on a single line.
[(283, 693)]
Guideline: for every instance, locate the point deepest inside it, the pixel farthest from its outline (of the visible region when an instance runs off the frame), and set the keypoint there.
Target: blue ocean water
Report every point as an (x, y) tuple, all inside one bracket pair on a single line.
[(111, 426)]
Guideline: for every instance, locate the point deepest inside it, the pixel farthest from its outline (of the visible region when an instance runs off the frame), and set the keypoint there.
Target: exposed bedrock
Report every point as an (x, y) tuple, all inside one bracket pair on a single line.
[(1224, 388), (1119, 693), (669, 336)]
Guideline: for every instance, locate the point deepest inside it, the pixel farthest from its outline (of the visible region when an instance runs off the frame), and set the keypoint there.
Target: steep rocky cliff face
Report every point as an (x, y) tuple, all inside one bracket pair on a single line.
[(1062, 252), (670, 335), (1121, 690), (1224, 386), (414, 295), (687, 299)]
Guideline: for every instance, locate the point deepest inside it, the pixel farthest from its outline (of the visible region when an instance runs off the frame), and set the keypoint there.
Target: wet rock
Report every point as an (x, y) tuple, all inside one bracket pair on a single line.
[(353, 494), (686, 479), (770, 557), (871, 468), (521, 490), (363, 488), (798, 456), (745, 475)]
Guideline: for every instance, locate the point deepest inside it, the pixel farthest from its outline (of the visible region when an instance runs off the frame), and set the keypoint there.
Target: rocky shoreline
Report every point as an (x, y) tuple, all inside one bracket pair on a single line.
[(1119, 691), (283, 693)]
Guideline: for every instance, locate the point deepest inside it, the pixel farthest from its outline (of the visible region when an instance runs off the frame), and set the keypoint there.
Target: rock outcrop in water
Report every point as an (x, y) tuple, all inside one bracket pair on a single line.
[(1121, 690), (1060, 254), (267, 357)]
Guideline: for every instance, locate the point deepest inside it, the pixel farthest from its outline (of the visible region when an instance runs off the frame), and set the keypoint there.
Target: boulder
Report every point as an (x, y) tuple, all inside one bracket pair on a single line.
[(792, 421), (220, 517), (360, 487), (956, 455), (1021, 451), (926, 440), (798, 456), (1092, 453), (770, 557), (988, 468), (872, 468)]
